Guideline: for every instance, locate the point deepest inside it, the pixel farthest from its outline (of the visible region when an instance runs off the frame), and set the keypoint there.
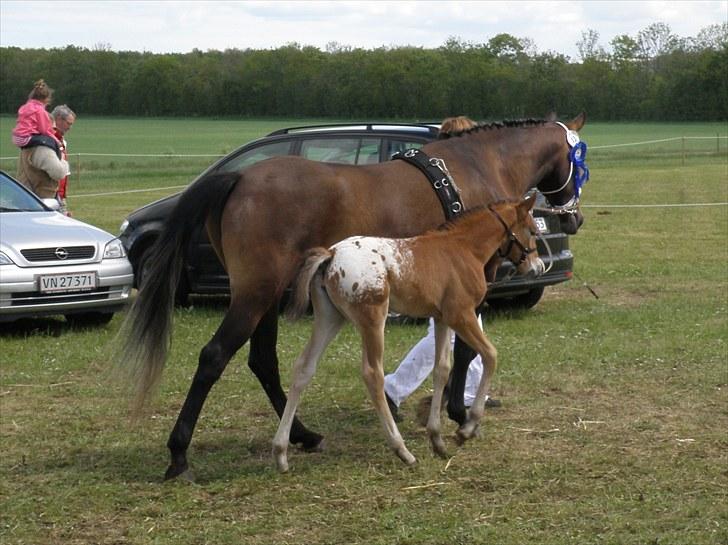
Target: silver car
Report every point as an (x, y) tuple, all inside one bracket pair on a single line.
[(52, 264)]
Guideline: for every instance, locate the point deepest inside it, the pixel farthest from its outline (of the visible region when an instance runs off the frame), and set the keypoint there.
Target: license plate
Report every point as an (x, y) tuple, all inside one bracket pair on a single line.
[(541, 225), (53, 283)]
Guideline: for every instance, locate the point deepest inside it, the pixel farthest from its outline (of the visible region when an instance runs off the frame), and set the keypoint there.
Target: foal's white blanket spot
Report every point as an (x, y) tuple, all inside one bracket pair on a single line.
[(367, 262)]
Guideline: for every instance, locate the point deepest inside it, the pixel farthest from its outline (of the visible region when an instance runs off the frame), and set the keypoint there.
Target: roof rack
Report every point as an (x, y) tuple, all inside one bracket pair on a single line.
[(367, 127)]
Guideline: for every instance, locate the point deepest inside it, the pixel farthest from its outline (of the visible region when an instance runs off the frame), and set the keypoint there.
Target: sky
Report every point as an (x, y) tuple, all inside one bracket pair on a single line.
[(181, 26)]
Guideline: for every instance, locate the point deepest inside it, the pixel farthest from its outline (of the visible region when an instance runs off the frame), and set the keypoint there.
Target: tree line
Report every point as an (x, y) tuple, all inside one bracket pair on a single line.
[(654, 75)]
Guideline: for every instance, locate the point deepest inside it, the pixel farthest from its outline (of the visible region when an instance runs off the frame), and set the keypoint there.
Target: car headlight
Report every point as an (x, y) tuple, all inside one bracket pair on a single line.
[(5, 260), (114, 249), (124, 225)]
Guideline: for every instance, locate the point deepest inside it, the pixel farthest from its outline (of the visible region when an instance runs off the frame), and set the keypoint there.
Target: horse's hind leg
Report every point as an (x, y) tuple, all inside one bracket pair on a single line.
[(371, 329), (263, 361), (214, 357), (327, 323)]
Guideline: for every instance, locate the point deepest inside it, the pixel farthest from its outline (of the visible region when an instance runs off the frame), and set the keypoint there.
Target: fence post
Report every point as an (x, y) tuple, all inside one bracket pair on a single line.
[(78, 169)]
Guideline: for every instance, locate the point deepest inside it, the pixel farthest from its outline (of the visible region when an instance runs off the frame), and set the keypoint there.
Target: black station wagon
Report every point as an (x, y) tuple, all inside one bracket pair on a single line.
[(356, 144)]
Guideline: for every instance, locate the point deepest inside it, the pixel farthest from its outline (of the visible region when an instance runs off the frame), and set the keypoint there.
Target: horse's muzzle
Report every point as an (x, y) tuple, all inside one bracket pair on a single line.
[(536, 268)]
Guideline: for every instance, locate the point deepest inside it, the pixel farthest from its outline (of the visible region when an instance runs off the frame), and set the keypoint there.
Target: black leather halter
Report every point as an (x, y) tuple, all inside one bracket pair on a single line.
[(438, 176), (512, 239)]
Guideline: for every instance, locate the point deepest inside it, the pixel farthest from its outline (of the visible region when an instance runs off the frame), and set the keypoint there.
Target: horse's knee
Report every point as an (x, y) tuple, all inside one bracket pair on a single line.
[(212, 363)]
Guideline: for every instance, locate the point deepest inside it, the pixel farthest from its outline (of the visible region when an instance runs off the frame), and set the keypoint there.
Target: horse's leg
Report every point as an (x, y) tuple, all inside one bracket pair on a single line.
[(439, 376), (371, 329), (263, 361), (214, 357), (327, 323), (462, 356), (471, 333)]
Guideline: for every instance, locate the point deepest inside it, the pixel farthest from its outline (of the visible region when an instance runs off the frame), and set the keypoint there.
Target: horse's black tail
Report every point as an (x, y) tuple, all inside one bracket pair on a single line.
[(146, 333)]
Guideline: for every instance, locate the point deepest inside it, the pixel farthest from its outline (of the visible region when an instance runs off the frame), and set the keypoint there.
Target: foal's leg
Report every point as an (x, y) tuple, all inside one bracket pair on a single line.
[(474, 336), (371, 328), (214, 357), (327, 323), (440, 377), (263, 361)]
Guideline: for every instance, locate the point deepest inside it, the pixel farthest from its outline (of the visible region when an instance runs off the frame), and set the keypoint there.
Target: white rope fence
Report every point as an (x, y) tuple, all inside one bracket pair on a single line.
[(644, 142), (216, 156)]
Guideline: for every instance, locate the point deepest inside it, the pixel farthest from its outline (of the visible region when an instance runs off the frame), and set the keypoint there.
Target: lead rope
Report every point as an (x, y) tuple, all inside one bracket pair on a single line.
[(548, 249)]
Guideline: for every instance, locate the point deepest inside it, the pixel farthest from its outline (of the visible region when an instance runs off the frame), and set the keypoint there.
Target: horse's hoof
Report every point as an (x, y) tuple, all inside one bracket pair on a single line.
[(407, 457), (173, 473), (466, 432), (313, 443), (459, 416), (317, 447), (439, 449)]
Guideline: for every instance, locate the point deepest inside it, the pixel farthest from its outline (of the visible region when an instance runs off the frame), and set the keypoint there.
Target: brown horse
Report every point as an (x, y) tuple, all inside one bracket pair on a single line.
[(263, 219), (438, 274)]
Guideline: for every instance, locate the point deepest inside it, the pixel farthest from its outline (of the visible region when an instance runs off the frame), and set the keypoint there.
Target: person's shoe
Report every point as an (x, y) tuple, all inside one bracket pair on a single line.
[(393, 409), (493, 402)]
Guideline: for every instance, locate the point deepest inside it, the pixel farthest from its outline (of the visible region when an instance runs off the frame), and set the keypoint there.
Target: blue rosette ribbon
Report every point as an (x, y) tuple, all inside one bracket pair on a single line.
[(577, 156)]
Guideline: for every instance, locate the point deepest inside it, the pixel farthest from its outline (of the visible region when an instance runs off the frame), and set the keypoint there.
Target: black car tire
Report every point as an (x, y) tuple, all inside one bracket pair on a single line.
[(523, 301), (89, 318)]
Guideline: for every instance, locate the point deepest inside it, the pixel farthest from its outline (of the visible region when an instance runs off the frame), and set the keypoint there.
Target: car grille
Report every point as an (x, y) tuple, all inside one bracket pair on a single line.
[(33, 298), (53, 254)]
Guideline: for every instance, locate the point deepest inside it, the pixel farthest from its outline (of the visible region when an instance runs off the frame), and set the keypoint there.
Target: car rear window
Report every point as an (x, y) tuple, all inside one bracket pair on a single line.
[(350, 151), (251, 156)]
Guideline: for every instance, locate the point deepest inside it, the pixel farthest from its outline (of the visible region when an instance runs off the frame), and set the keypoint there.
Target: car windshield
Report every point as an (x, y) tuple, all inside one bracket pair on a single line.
[(14, 198)]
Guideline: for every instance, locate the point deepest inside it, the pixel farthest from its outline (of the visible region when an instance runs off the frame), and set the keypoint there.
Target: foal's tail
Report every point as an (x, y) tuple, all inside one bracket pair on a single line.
[(146, 333), (314, 259)]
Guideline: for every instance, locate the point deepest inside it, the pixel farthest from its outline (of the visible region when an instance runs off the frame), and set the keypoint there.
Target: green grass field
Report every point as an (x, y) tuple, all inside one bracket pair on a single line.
[(613, 428)]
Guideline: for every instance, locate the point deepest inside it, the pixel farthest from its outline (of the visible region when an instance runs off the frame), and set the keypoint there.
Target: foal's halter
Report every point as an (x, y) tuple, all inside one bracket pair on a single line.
[(577, 170), (512, 239)]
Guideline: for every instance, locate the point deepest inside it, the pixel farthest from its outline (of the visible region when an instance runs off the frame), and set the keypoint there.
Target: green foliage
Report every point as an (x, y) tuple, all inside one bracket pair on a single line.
[(651, 76)]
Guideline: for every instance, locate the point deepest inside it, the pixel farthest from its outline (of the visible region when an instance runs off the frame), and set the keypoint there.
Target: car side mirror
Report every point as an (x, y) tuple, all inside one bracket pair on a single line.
[(53, 204)]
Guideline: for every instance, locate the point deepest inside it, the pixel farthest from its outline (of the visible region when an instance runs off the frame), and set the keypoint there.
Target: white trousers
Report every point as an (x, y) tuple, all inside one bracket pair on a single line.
[(418, 364)]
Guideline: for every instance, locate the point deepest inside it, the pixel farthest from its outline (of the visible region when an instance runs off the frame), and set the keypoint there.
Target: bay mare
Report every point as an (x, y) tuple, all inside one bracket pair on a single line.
[(438, 274), (263, 219)]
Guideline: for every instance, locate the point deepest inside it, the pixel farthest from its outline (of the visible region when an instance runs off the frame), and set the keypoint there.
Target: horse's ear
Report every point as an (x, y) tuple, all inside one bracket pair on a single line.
[(578, 122), (551, 116)]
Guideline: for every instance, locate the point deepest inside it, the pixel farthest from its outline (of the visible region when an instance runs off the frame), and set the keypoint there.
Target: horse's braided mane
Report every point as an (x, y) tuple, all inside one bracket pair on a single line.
[(530, 122)]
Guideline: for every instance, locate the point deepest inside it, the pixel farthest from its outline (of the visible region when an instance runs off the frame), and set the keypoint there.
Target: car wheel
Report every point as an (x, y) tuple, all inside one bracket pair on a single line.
[(182, 295), (142, 269), (89, 318), (523, 301)]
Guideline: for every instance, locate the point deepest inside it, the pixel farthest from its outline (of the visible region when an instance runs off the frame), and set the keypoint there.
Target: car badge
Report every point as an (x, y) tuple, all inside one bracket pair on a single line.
[(61, 253)]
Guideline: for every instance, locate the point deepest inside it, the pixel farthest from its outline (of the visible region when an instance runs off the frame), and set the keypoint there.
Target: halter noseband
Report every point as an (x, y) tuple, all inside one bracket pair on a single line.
[(577, 169), (512, 239)]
